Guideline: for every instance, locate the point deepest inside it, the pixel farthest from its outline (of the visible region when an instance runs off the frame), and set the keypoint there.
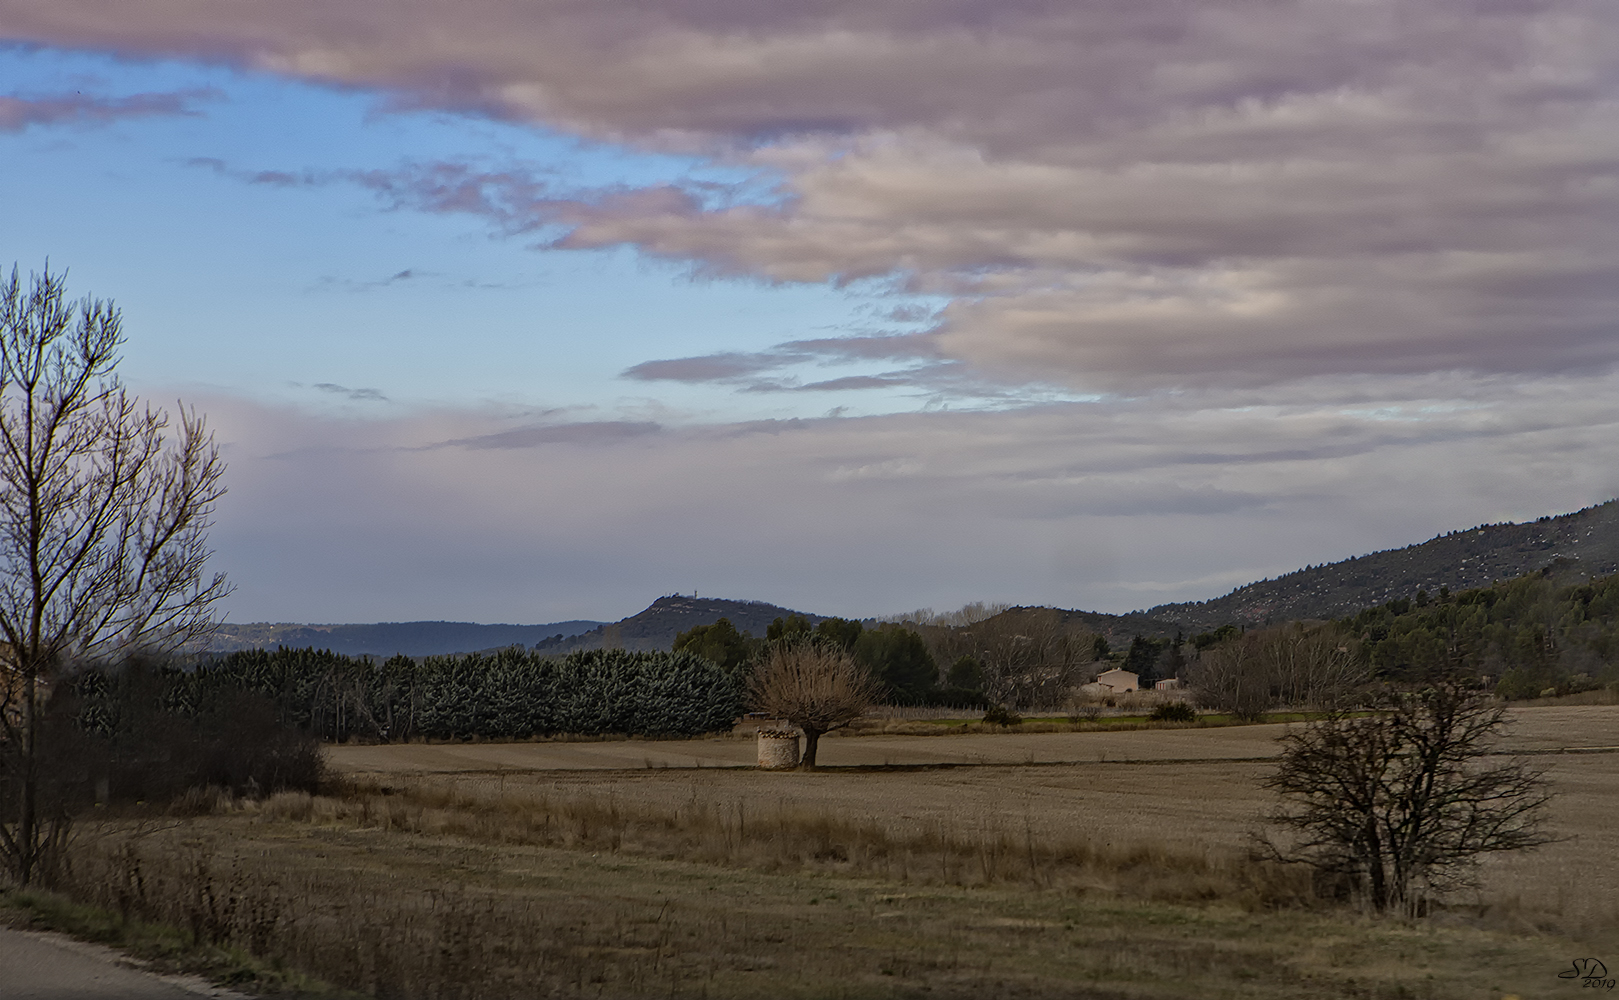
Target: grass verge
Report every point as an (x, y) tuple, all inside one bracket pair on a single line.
[(158, 947)]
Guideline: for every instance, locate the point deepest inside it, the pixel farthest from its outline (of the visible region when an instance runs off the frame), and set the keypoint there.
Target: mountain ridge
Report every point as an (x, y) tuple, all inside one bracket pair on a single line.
[(420, 638), (1581, 544)]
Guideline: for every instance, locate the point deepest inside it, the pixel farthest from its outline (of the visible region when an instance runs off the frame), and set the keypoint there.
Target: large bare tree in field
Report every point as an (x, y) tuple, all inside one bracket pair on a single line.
[(818, 687), (104, 511), (1402, 801)]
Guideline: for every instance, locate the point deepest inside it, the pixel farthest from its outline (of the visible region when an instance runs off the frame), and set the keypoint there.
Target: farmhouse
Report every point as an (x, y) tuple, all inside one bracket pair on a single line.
[(1119, 681)]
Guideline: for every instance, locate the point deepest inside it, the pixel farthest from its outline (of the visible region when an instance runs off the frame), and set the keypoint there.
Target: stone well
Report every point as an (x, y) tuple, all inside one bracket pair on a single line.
[(778, 749)]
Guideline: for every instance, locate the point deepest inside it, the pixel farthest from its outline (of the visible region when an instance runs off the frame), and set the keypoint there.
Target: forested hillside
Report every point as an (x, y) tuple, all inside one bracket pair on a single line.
[(1530, 636), (1582, 545)]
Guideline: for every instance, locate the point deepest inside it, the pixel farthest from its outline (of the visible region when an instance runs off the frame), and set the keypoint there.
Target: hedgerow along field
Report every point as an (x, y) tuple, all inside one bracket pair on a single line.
[(510, 694)]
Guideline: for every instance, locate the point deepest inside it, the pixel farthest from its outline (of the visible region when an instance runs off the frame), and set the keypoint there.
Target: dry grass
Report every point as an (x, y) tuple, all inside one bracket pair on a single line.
[(991, 850), (430, 892), (1083, 880), (1121, 789)]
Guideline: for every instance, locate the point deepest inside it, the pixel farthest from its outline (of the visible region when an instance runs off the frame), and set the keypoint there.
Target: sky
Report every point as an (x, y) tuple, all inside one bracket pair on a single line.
[(529, 311)]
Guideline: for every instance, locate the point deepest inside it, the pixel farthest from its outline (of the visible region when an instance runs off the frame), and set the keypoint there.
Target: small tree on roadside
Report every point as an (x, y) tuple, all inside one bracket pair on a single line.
[(1400, 802), (104, 511), (817, 687)]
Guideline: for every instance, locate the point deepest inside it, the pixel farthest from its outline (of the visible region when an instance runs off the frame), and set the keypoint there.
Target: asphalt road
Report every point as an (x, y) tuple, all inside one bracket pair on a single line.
[(36, 966)]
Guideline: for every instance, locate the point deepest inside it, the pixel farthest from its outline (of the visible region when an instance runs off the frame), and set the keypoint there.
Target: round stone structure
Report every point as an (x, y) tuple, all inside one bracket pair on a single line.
[(778, 749)]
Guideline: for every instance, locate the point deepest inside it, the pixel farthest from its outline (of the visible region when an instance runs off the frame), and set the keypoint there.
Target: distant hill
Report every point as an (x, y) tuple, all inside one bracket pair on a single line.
[(666, 617), (653, 628), (1580, 545), (388, 638)]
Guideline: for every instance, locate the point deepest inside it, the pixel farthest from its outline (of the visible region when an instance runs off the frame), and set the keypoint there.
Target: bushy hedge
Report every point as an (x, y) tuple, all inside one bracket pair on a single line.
[(120, 736), (509, 694)]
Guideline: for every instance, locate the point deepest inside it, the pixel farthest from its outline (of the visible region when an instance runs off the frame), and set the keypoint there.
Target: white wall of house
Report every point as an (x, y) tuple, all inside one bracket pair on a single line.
[(1118, 680)]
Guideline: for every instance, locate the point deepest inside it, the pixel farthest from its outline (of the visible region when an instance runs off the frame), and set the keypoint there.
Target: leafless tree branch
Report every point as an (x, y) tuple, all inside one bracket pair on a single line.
[(104, 514)]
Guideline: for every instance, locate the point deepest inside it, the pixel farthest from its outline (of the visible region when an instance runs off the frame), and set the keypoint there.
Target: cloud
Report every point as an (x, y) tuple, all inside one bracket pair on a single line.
[(586, 432), (1116, 198), (709, 368), (19, 112), (485, 515), (357, 395), (855, 382), (738, 367), (1316, 278)]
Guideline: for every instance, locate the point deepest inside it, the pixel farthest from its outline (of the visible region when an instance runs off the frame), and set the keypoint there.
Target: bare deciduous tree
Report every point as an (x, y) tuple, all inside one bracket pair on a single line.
[(1400, 802), (1314, 665), (104, 514), (818, 687), (1232, 677), (1294, 664), (1031, 656)]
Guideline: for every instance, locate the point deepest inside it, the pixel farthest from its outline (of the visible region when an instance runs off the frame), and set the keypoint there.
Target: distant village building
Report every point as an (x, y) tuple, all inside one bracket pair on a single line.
[(1172, 684), (1119, 681)]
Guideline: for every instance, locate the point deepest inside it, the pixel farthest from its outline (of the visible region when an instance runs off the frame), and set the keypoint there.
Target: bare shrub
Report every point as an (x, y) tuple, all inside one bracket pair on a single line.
[(817, 687), (1396, 804)]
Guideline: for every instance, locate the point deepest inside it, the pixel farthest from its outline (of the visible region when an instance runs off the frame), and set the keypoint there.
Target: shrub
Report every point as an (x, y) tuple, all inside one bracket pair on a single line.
[(1173, 711), (1000, 715)]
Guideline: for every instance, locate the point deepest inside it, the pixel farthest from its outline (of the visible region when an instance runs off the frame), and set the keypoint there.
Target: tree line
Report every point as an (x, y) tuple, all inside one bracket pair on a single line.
[(509, 694), (899, 660)]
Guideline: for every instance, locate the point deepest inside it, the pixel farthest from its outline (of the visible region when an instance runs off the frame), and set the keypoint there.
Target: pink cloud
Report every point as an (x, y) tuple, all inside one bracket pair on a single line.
[(18, 113), (1117, 197)]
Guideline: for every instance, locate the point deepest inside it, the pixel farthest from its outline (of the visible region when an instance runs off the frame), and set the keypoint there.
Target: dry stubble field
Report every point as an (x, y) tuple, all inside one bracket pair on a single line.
[(1091, 865), (1190, 789)]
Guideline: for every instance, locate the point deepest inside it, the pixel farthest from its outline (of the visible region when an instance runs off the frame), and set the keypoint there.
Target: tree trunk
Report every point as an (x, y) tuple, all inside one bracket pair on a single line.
[(812, 737), (27, 820), (1374, 867)]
